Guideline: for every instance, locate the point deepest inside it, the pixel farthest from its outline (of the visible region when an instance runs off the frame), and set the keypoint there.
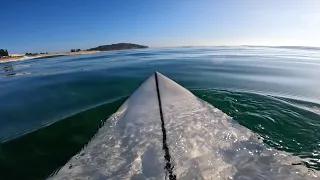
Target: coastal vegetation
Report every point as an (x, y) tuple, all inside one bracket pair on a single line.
[(35, 54), (75, 50), (112, 47), (4, 52), (4, 55), (119, 46)]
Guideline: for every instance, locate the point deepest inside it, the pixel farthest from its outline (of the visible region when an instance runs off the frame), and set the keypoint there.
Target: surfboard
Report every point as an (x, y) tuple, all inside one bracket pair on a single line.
[(163, 131)]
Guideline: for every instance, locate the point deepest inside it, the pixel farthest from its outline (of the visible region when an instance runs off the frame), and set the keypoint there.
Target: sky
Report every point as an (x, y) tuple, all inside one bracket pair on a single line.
[(60, 25)]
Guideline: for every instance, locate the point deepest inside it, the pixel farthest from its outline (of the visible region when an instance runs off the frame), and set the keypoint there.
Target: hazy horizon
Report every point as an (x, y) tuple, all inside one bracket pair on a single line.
[(178, 46), (58, 26)]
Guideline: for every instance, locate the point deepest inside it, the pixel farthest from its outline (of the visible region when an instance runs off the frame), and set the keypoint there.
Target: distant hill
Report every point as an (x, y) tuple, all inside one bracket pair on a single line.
[(119, 46)]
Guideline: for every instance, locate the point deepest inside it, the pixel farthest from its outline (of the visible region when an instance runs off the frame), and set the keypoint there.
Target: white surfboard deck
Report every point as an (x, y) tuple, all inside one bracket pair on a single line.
[(202, 142)]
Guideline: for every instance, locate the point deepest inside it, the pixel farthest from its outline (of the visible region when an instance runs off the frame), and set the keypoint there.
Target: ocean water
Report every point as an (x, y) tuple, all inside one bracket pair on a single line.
[(52, 107)]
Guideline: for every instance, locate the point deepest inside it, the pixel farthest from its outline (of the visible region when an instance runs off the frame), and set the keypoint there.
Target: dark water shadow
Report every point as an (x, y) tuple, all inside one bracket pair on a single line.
[(40, 153)]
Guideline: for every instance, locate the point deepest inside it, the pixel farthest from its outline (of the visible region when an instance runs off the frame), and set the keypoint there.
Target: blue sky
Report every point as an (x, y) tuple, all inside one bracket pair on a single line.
[(59, 25)]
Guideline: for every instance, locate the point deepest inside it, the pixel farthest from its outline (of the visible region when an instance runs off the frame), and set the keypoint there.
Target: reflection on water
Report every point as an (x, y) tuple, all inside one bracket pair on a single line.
[(274, 92)]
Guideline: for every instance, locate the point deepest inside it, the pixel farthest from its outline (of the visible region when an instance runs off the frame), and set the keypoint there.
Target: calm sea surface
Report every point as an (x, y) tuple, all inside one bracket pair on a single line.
[(51, 107)]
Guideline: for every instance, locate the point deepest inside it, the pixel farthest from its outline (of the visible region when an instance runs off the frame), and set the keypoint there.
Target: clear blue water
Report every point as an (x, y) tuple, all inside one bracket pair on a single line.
[(51, 107)]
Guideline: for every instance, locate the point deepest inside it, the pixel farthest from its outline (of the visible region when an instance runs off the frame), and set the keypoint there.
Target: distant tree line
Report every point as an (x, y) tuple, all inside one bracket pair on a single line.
[(119, 46), (4, 52), (34, 54), (75, 50)]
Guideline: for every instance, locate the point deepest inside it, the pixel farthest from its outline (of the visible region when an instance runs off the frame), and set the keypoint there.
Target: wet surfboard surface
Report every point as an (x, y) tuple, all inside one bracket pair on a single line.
[(163, 131)]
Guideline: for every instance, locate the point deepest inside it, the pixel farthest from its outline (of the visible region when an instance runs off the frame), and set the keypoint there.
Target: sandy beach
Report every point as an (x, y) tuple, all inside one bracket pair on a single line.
[(13, 58)]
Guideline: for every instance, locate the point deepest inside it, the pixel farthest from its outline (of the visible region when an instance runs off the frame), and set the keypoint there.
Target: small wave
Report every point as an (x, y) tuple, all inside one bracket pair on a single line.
[(309, 106), (17, 74), (20, 59), (16, 132), (20, 66), (284, 124)]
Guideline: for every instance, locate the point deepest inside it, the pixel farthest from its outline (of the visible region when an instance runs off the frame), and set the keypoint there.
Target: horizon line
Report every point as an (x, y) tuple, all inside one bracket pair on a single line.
[(283, 46)]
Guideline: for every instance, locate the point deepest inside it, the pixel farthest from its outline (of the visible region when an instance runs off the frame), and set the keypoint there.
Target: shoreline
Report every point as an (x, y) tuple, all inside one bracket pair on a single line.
[(9, 59)]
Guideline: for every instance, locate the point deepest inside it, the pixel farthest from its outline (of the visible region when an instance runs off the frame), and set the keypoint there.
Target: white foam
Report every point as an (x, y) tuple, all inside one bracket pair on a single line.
[(20, 59)]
